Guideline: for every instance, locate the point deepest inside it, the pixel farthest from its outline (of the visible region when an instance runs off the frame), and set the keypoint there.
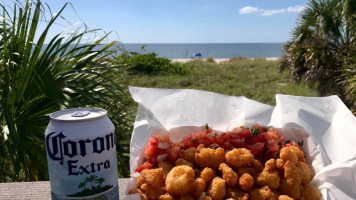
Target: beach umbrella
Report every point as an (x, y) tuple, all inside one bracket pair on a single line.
[(196, 55)]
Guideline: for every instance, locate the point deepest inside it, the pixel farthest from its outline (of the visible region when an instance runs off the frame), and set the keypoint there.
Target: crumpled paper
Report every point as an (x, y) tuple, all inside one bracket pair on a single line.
[(325, 124)]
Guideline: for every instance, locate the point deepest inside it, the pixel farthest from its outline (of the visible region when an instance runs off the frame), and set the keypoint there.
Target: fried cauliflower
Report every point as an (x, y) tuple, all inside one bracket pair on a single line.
[(180, 180), (206, 157)]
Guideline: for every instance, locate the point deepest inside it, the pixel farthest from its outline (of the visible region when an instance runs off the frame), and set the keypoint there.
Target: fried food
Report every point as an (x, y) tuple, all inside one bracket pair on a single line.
[(152, 192), (180, 180), (292, 154), (239, 157), (166, 197), (257, 165), (291, 183), (153, 177), (207, 198), (262, 194), (139, 182), (165, 166), (206, 157), (241, 176), (181, 161), (199, 186), (207, 174), (310, 193), (189, 154), (236, 193), (228, 175), (246, 182), (284, 197), (305, 172), (269, 176), (246, 170), (217, 188)]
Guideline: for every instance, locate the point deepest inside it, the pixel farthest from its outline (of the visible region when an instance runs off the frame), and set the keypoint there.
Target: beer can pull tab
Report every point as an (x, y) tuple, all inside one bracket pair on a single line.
[(81, 113)]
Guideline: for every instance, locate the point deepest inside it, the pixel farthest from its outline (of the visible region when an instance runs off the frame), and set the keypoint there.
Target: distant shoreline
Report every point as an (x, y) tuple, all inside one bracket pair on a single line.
[(218, 60)]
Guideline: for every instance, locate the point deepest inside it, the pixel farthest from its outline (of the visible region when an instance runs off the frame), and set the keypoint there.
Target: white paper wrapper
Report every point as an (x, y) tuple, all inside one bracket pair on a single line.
[(325, 124)]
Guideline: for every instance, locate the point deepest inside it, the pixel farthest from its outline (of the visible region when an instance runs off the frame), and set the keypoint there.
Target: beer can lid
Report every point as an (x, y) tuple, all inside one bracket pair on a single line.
[(78, 114)]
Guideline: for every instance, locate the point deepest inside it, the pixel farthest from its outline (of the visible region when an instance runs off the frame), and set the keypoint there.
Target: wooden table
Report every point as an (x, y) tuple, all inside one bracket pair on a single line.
[(40, 190)]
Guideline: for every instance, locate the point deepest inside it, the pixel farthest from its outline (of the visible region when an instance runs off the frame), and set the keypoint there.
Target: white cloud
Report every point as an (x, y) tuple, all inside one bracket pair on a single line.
[(296, 9), (273, 12), (249, 10), (255, 10)]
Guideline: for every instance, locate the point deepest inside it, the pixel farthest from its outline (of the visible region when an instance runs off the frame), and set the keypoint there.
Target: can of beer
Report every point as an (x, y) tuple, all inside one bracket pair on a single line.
[(81, 155)]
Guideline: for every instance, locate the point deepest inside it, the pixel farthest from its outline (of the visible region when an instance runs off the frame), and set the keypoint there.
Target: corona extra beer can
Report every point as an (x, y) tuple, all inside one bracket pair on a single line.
[(81, 155)]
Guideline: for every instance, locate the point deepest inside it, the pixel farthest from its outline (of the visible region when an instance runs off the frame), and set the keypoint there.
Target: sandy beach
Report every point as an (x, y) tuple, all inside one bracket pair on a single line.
[(217, 60)]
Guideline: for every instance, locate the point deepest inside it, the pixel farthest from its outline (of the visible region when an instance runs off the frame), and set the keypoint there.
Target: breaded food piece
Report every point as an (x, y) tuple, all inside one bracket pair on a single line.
[(189, 154), (262, 194), (236, 193), (289, 188), (239, 157), (207, 157), (279, 163), (228, 175), (153, 177), (180, 180), (279, 166), (186, 197), (207, 174), (143, 196), (198, 187), (269, 176), (165, 166), (310, 193), (305, 172), (292, 153), (270, 179), (284, 197), (139, 182), (207, 198), (257, 165), (246, 182), (181, 161), (153, 192), (217, 188), (290, 184), (166, 197), (292, 172), (270, 165), (247, 170)]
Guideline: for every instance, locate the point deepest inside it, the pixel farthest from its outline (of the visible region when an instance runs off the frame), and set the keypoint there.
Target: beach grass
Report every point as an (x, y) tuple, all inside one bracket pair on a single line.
[(257, 79)]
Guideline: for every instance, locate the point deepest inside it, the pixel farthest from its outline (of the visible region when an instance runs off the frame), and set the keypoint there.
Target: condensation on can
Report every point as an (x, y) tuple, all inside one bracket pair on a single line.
[(81, 154)]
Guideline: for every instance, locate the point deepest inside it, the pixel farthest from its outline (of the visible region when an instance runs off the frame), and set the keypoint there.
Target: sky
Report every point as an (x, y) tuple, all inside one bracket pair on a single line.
[(185, 21)]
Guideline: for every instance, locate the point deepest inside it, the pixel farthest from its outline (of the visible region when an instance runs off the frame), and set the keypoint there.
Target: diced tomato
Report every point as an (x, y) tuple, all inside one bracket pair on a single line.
[(154, 141), (206, 141), (256, 149), (187, 142), (273, 147), (146, 165), (173, 153), (238, 143), (256, 126), (246, 133), (150, 151)]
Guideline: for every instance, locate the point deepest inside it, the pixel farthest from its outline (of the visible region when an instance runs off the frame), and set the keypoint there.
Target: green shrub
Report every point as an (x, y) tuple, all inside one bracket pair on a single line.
[(149, 63)]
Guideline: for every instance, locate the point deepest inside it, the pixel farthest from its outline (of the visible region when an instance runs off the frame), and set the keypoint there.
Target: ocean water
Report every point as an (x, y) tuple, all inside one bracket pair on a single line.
[(215, 50)]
